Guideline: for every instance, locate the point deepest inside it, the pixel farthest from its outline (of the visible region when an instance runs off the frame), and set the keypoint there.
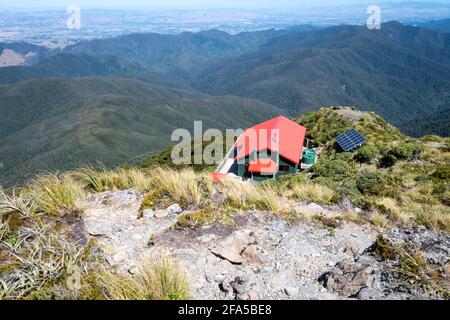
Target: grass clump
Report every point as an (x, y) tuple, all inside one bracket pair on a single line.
[(56, 195), (411, 268), (392, 210), (119, 179), (313, 192), (20, 203), (378, 219), (414, 269), (203, 217), (160, 279), (184, 187), (247, 196), (43, 260), (432, 218)]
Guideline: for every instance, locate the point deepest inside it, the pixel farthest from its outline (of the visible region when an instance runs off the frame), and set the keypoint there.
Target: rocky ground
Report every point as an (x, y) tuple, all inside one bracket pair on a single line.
[(260, 257)]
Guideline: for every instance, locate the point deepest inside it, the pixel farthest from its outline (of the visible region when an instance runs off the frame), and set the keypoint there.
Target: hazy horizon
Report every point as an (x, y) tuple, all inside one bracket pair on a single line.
[(197, 4)]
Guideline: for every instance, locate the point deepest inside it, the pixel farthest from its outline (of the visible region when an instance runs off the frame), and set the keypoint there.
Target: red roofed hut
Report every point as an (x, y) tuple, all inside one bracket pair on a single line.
[(267, 150)]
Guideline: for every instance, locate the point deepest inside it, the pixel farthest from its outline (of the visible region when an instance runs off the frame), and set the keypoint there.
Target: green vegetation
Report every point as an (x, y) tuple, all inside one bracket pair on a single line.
[(411, 267), (369, 183), (62, 124), (412, 191), (410, 184), (324, 126), (203, 217), (366, 154), (56, 194), (160, 279), (110, 105)]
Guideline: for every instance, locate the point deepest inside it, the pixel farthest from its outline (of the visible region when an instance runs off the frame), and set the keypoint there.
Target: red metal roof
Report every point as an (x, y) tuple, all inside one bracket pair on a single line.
[(277, 134), (263, 165)]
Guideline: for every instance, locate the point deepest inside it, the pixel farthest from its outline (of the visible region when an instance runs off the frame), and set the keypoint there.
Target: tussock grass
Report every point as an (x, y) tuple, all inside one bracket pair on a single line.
[(297, 214), (120, 179), (245, 195), (393, 211), (203, 217), (313, 192), (238, 194), (414, 269), (185, 187), (268, 199), (43, 260), (433, 218), (56, 195), (20, 202), (4, 229), (160, 279), (410, 267), (378, 219)]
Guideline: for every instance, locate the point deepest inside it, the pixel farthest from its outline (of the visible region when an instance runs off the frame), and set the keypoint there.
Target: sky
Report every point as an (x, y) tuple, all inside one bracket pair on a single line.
[(192, 3)]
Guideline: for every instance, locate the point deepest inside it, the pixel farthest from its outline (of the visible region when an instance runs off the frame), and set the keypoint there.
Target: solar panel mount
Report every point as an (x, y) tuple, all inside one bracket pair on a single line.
[(350, 140)]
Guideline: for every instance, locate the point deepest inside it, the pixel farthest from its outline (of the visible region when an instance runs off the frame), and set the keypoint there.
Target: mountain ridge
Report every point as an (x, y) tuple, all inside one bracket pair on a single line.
[(82, 121)]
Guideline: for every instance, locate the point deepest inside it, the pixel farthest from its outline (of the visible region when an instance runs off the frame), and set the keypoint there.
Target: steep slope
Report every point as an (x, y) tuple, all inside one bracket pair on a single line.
[(400, 72), (60, 123), (437, 123)]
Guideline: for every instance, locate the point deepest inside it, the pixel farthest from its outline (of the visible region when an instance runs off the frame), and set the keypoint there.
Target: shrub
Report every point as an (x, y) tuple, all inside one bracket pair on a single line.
[(369, 183), (333, 169), (324, 125), (406, 151), (442, 173), (431, 138), (349, 190), (366, 154), (388, 160), (326, 182), (160, 279), (151, 200)]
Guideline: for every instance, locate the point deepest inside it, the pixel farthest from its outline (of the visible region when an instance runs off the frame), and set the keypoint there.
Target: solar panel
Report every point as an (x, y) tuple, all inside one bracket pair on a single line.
[(350, 140)]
